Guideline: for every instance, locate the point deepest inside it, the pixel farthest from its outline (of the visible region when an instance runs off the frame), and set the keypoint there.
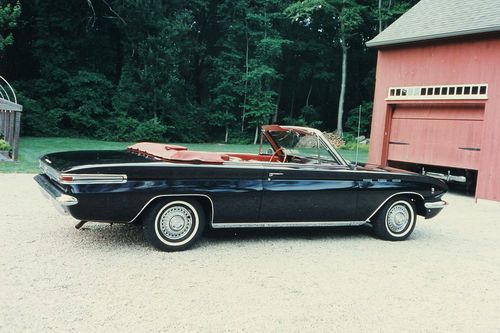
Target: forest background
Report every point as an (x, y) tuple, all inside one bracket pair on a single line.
[(191, 71)]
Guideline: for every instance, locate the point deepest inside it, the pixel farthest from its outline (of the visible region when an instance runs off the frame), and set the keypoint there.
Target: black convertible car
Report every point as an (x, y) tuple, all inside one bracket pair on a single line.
[(297, 180)]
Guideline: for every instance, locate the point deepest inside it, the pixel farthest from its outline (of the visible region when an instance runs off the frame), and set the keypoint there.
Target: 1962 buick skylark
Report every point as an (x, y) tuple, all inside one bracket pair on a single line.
[(297, 180)]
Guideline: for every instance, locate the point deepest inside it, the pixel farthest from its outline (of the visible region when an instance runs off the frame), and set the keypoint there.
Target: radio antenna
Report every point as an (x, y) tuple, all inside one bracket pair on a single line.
[(357, 138)]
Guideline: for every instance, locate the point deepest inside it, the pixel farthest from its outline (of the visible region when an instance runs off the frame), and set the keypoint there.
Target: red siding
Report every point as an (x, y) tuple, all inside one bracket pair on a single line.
[(451, 62)]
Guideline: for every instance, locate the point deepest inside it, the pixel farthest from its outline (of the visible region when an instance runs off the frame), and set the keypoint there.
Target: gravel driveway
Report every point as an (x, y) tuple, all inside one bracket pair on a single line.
[(446, 277)]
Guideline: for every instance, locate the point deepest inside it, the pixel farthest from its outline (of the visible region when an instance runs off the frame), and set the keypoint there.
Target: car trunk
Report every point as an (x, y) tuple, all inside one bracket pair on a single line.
[(65, 161)]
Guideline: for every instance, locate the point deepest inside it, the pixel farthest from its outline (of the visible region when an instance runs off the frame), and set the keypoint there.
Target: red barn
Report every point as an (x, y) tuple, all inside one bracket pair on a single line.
[(437, 93)]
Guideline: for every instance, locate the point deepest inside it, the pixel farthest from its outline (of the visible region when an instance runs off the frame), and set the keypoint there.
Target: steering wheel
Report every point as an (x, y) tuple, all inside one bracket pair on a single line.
[(276, 153)]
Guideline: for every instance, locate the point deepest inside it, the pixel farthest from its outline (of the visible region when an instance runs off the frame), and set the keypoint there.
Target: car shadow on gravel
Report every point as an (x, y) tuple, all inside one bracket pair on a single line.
[(124, 235), (115, 235), (316, 233)]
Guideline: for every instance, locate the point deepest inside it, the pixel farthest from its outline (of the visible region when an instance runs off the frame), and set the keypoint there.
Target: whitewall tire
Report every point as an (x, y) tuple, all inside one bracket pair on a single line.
[(396, 221), (174, 225)]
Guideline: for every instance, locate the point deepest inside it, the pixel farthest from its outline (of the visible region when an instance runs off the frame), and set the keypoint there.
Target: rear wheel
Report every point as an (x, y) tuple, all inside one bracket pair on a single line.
[(174, 225), (396, 220)]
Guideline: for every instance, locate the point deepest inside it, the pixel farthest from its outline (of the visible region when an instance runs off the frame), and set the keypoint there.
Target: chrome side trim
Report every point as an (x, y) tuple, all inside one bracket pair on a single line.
[(287, 224), (176, 195), (92, 179), (240, 165), (383, 203), (81, 179), (435, 205)]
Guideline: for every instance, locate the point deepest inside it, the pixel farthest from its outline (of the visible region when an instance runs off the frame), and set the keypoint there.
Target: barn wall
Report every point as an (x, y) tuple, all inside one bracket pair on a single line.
[(451, 62)]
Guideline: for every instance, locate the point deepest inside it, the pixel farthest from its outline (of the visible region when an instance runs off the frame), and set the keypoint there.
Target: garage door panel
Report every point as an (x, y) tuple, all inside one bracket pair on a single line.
[(431, 138), (430, 111)]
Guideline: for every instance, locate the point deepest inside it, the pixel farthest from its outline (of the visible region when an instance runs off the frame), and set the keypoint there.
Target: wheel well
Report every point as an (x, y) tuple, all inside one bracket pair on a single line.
[(417, 200), (419, 204), (204, 201)]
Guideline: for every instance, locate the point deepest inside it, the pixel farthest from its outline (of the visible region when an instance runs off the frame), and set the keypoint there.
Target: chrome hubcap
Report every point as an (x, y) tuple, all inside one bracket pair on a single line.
[(175, 222), (398, 218)]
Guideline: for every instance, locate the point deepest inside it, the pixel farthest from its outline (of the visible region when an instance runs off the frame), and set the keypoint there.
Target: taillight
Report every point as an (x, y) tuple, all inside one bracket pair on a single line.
[(66, 178)]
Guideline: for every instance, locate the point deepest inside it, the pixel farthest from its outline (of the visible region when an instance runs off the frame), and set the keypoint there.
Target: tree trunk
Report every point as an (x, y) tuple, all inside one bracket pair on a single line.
[(256, 134), (388, 9), (227, 134), (379, 16), (292, 104), (246, 82), (276, 110), (342, 88), (309, 93)]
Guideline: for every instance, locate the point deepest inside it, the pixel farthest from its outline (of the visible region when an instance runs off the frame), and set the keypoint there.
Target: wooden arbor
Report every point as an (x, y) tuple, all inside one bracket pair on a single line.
[(10, 118)]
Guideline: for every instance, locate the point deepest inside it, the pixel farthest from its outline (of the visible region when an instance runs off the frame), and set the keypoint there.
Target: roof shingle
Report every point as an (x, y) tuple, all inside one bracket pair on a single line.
[(433, 19)]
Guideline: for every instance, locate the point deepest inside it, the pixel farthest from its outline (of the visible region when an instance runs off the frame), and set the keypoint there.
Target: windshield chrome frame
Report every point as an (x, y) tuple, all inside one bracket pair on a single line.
[(331, 149), (319, 137)]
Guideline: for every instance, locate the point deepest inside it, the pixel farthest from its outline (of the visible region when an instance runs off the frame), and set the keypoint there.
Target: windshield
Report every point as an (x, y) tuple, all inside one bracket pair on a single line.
[(303, 146)]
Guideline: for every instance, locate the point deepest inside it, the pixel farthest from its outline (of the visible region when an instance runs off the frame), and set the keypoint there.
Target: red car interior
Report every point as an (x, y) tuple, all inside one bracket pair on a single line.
[(180, 154)]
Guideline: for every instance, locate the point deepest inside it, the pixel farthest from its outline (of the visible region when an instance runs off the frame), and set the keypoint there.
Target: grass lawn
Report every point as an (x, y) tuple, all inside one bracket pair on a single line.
[(31, 148)]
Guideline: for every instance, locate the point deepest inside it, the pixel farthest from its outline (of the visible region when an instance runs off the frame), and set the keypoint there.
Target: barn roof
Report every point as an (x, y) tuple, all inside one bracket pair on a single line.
[(435, 19)]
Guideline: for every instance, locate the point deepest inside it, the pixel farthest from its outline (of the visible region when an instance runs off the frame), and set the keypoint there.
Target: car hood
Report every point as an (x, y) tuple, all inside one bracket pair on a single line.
[(379, 168), (405, 174)]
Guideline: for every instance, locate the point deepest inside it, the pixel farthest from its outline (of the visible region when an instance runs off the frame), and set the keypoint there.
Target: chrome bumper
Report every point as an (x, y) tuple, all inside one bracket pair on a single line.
[(449, 177), (435, 205), (60, 200)]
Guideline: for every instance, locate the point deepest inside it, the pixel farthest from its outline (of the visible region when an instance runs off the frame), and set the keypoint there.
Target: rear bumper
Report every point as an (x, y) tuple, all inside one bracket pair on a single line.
[(433, 208), (60, 200)]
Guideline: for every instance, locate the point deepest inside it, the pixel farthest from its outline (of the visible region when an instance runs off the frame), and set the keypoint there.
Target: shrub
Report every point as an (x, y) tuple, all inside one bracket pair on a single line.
[(125, 128), (352, 146), (4, 145), (351, 143), (365, 121)]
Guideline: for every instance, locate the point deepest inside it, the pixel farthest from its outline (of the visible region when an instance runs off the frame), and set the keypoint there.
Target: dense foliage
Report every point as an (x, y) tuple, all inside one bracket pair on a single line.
[(190, 70), (4, 145)]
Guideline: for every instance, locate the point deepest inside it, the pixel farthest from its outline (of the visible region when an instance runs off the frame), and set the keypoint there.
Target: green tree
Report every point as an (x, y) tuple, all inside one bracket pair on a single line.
[(362, 116), (164, 70), (9, 15), (262, 76), (226, 80), (346, 16), (245, 72), (156, 79), (388, 10)]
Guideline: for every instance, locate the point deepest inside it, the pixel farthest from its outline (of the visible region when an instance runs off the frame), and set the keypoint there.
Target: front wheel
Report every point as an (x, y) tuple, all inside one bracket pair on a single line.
[(396, 221), (174, 225)]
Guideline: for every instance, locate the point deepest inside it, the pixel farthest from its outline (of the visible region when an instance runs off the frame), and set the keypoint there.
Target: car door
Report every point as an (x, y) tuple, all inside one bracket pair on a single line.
[(236, 192), (308, 194)]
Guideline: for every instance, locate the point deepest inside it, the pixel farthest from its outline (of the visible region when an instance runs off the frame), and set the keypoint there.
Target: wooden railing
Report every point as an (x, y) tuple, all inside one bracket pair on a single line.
[(10, 117)]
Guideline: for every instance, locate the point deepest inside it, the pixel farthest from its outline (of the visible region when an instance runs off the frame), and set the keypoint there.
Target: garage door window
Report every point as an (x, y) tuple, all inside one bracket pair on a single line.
[(465, 91)]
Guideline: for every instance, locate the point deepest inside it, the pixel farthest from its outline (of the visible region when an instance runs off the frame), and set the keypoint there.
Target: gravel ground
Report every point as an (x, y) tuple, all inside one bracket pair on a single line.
[(446, 277)]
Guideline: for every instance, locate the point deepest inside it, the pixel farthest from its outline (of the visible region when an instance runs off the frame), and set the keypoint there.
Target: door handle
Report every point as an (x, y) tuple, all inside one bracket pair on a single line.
[(272, 174)]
